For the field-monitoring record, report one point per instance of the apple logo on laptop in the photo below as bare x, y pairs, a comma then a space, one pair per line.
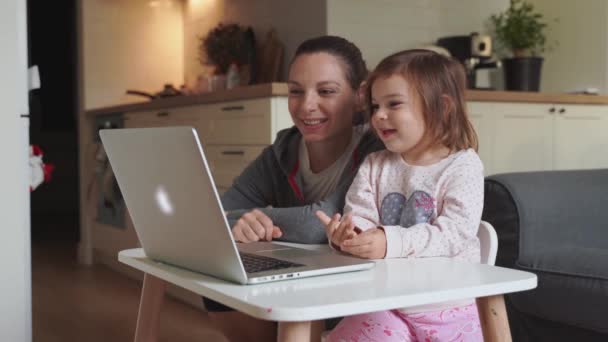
163, 201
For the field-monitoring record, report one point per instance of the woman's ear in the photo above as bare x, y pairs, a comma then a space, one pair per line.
360, 98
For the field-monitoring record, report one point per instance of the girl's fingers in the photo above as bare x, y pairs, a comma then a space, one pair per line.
358, 250
323, 217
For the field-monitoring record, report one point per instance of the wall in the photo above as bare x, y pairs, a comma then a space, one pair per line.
465, 16
294, 21
579, 59
15, 287
130, 45
377, 27
382, 27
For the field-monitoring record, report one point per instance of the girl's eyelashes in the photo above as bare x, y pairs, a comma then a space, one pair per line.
394, 104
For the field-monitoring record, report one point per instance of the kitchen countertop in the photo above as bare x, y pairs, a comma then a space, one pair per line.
280, 89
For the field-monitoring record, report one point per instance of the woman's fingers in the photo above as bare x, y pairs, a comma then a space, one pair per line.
254, 225
266, 224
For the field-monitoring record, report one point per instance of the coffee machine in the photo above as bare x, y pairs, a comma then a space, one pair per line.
474, 52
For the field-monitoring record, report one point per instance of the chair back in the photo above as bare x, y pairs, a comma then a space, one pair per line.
488, 243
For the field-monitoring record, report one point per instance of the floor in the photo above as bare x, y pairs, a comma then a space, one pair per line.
79, 303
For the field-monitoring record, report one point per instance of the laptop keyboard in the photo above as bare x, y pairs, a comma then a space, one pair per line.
257, 263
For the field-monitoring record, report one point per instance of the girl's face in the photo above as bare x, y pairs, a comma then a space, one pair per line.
321, 101
397, 117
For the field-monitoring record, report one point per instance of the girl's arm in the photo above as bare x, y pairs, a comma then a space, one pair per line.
360, 198
455, 227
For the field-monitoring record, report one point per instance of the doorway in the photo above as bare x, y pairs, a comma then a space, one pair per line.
52, 47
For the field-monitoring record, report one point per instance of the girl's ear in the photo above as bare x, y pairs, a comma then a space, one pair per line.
447, 106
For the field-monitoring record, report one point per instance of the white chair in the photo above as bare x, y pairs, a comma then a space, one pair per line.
488, 243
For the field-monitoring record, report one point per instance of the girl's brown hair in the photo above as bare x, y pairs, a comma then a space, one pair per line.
438, 84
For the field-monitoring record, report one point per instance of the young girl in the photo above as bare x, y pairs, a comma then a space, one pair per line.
422, 197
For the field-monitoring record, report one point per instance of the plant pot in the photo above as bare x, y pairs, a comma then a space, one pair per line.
522, 73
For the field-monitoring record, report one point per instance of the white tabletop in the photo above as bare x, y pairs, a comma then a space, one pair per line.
392, 283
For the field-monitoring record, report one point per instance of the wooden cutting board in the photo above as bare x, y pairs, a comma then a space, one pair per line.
269, 58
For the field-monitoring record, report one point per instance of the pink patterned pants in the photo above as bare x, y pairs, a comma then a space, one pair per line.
454, 324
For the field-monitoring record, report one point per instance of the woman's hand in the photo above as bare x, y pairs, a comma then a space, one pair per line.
370, 244
255, 226
338, 230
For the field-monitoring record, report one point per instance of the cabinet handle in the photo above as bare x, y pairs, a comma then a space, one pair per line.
562, 110
231, 108
233, 153
161, 114
552, 110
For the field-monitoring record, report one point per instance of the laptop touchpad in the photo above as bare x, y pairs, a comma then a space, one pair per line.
288, 253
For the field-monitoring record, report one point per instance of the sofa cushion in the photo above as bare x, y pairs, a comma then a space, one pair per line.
561, 218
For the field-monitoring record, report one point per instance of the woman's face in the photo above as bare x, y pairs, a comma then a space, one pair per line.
321, 101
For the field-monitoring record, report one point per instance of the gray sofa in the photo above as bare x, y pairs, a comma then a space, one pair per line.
555, 224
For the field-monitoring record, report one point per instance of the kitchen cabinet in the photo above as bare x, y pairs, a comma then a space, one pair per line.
580, 137
233, 133
532, 137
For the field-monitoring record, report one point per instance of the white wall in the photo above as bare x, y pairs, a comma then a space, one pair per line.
579, 60
15, 287
130, 45
465, 16
382, 27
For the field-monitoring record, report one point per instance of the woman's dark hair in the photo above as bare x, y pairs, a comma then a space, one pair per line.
438, 84
347, 52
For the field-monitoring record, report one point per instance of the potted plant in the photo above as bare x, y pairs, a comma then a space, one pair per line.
522, 31
227, 44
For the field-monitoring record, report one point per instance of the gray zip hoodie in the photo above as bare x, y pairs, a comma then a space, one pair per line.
272, 183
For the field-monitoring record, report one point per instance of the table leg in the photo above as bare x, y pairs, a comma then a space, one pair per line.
493, 317
148, 317
300, 331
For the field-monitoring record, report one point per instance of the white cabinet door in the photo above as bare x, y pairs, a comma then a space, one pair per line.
523, 138
482, 117
581, 137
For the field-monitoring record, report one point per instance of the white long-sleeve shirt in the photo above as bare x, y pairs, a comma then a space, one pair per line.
426, 211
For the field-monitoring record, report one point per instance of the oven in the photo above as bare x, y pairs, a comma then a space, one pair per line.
110, 206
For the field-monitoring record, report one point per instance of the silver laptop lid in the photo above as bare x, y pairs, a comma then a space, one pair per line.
167, 194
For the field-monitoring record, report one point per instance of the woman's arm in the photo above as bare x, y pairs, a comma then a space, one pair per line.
299, 224
252, 188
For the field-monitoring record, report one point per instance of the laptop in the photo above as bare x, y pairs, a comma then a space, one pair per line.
176, 210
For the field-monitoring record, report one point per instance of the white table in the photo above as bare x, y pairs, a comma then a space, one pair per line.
391, 284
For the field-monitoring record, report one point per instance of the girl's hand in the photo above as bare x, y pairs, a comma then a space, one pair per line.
370, 244
255, 226
338, 230
331, 224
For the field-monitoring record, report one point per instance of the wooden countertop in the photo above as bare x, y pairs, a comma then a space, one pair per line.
280, 89
239, 93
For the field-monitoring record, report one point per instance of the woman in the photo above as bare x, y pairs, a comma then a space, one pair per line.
309, 167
